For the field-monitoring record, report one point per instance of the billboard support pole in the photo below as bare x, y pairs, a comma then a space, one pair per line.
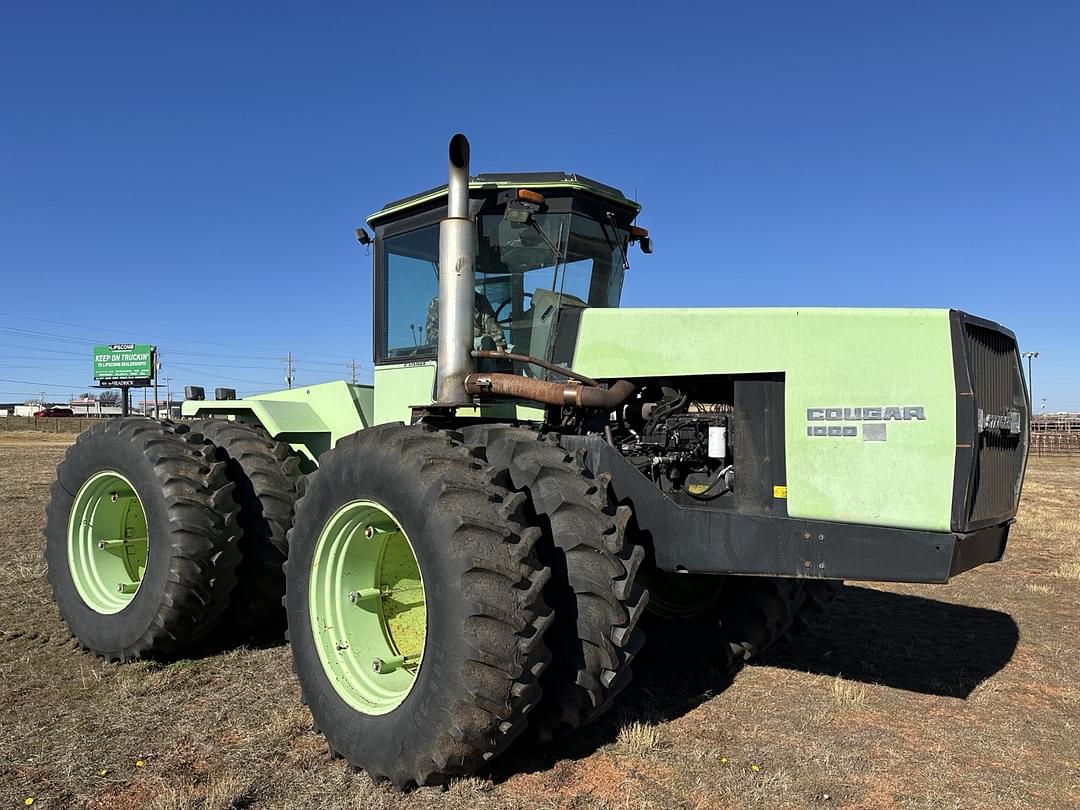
125, 405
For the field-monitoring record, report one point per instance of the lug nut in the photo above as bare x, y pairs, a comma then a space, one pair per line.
363, 595
382, 666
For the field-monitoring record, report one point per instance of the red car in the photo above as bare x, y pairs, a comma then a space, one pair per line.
55, 412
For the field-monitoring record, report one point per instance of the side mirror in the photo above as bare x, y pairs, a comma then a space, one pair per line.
641, 236
363, 237
519, 212
521, 204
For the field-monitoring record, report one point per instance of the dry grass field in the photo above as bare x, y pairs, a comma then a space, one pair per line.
964, 695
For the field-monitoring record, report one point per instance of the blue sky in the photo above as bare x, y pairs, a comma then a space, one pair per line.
191, 173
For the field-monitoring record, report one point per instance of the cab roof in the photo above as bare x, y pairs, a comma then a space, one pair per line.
492, 182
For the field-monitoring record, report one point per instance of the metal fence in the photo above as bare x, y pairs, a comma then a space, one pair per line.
48, 424
1055, 434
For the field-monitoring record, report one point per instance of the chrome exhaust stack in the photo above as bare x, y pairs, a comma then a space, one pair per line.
457, 281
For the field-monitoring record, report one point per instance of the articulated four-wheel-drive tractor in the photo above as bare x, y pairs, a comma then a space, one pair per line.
474, 547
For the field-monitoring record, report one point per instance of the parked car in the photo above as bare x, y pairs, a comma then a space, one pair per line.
54, 412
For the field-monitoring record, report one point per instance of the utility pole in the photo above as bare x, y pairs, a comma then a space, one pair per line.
289, 370
168, 397
352, 367
157, 368
1031, 392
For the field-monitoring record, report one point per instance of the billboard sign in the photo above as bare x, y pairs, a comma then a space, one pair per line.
124, 364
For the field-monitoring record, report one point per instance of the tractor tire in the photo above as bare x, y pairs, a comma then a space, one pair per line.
735, 620
141, 540
592, 589
268, 478
757, 612
415, 691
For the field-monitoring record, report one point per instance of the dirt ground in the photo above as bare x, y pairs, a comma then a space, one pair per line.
963, 695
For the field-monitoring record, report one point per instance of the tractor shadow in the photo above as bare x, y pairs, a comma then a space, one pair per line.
876, 637
904, 642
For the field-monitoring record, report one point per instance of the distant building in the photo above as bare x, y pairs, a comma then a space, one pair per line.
165, 408
92, 407
79, 407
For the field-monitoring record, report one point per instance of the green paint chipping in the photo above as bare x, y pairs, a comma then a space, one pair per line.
107, 542
367, 607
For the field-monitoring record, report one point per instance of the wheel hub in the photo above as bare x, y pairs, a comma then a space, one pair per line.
367, 607
108, 543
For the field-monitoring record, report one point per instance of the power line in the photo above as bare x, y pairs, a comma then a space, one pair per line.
42, 349
229, 377
38, 364
101, 329
46, 385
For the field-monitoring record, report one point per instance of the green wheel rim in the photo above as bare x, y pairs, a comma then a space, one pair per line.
108, 542
367, 607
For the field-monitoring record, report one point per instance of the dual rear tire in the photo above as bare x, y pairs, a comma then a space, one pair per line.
141, 539
161, 536
268, 478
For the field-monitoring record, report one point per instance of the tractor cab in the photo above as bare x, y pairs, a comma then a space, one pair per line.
547, 246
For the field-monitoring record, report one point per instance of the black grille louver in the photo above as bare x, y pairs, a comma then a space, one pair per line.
992, 424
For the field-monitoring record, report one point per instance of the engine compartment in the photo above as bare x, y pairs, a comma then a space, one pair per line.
681, 437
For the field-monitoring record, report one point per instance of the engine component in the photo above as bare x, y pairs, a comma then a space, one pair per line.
682, 446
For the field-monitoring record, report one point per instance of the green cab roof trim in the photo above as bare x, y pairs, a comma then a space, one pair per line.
494, 182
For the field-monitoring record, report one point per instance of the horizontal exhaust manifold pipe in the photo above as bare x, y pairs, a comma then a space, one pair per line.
550, 393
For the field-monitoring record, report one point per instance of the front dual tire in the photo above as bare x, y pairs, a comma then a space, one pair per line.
415, 606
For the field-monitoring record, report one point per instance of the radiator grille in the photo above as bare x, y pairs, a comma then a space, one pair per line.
1000, 456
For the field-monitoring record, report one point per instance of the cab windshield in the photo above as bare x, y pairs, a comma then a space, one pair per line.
527, 275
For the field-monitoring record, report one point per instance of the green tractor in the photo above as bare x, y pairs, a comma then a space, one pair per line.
472, 548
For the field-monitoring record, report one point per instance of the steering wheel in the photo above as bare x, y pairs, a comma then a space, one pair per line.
498, 310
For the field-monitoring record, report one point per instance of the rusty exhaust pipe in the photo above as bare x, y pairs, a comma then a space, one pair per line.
550, 393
